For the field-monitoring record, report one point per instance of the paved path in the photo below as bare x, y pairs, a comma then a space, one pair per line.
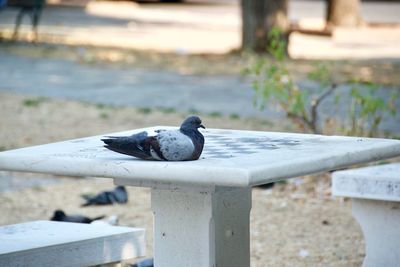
126, 87
145, 88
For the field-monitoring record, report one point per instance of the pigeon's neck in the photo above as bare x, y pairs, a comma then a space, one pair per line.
193, 133
197, 138
189, 131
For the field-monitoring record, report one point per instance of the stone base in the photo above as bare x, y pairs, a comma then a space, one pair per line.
380, 223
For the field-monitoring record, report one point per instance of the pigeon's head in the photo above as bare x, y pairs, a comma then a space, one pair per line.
121, 188
58, 214
192, 122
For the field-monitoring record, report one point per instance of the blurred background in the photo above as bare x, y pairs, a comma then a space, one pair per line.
73, 68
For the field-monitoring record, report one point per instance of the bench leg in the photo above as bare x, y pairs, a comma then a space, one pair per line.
201, 228
380, 223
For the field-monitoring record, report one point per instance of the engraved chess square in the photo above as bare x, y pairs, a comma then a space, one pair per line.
229, 146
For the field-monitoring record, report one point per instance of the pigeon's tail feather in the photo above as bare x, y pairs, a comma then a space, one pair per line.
98, 218
89, 202
130, 152
130, 145
86, 197
110, 140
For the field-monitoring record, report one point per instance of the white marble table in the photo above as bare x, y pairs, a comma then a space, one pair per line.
201, 208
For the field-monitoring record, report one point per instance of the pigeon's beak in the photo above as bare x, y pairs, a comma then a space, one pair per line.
202, 126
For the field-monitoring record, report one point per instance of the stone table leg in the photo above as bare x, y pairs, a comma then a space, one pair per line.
201, 227
380, 223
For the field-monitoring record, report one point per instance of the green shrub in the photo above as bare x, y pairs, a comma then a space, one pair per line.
274, 84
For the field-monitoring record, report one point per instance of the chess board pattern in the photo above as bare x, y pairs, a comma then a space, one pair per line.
218, 145
229, 146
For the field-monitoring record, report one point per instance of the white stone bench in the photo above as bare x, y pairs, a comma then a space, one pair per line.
48, 243
375, 193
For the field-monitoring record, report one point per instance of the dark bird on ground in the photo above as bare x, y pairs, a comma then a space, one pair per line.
185, 143
60, 216
118, 195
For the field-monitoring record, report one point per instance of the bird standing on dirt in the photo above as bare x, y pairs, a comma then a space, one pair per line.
185, 143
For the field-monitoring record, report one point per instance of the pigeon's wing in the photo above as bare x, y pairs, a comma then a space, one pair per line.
135, 145
81, 219
100, 199
174, 145
97, 218
77, 219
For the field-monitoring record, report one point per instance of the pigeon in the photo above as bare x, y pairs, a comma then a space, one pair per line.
144, 263
60, 216
118, 195
185, 143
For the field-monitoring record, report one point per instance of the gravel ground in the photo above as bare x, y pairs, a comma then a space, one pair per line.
295, 224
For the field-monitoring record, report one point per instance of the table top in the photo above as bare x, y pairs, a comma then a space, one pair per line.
39, 234
230, 158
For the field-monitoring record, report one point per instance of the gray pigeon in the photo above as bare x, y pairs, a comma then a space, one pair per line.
118, 195
185, 143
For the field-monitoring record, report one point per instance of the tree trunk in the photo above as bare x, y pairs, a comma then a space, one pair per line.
343, 13
258, 18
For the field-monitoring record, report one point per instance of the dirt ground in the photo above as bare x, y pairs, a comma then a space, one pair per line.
295, 224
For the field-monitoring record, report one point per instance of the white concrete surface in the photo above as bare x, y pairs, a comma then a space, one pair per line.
201, 227
201, 208
381, 182
47, 243
230, 158
376, 207
380, 224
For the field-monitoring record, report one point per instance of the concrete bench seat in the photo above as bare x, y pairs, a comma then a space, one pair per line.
375, 193
48, 243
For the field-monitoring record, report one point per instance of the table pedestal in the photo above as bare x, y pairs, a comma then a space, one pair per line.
201, 227
380, 224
